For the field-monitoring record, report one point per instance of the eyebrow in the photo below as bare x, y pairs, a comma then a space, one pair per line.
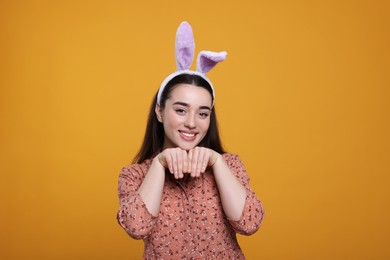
188, 105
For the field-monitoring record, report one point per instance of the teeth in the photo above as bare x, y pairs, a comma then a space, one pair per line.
188, 134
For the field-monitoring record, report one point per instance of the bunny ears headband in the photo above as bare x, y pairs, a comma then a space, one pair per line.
184, 50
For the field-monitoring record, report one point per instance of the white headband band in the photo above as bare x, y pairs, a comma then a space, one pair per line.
184, 50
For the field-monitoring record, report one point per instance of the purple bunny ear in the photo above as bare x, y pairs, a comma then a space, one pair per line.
184, 51
208, 59
184, 47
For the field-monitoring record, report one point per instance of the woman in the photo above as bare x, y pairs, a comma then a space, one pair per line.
184, 195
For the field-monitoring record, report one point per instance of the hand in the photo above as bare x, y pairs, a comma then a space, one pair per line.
176, 160
195, 161
199, 158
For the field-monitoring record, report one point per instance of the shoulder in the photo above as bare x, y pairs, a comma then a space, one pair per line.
231, 157
138, 169
234, 162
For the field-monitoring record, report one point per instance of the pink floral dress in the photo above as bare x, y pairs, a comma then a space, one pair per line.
191, 223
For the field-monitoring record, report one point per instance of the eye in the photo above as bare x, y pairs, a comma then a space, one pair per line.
180, 111
203, 114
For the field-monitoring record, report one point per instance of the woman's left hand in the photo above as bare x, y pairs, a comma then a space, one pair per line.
199, 158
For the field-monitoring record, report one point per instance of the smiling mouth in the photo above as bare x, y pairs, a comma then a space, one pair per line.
188, 136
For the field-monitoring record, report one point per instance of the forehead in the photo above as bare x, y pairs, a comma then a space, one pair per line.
190, 94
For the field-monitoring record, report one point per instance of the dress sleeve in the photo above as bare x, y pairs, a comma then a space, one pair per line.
253, 212
133, 215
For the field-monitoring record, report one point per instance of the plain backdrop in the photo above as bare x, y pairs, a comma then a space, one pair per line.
303, 98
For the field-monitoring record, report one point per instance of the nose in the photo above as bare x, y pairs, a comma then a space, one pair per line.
190, 121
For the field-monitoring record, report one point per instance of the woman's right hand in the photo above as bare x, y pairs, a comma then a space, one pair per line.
175, 160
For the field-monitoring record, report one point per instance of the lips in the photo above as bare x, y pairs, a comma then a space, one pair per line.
188, 136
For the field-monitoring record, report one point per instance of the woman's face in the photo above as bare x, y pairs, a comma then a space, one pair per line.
186, 116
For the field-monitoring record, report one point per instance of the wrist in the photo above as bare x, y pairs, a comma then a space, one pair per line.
156, 161
215, 158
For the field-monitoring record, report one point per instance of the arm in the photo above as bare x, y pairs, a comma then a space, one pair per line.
140, 191
253, 211
152, 187
133, 214
240, 204
232, 192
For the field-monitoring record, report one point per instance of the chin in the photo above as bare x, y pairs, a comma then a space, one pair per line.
187, 147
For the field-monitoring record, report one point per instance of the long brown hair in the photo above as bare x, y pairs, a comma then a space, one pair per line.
154, 134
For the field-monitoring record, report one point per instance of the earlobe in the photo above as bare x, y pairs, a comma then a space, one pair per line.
157, 110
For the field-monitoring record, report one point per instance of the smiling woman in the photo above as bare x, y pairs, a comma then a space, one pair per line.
184, 195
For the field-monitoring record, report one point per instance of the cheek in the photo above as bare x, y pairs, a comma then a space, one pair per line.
205, 124
172, 120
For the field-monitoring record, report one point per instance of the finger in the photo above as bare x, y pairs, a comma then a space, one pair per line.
200, 161
194, 162
185, 161
189, 160
179, 164
174, 163
168, 160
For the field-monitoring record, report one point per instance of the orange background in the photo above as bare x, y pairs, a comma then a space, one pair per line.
303, 98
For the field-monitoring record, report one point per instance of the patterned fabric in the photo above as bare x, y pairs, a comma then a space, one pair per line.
191, 223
